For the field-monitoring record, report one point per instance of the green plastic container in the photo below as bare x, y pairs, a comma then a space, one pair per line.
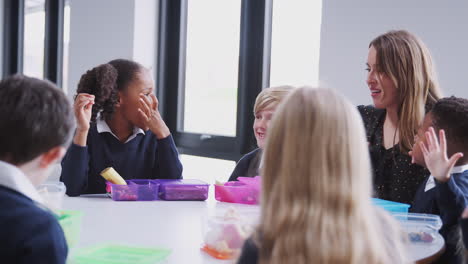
118, 254
71, 226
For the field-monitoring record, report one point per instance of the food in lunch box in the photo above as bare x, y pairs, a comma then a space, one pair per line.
226, 235
112, 176
420, 237
124, 195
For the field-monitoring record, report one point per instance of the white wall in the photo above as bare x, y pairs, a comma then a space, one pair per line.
145, 33
104, 30
349, 26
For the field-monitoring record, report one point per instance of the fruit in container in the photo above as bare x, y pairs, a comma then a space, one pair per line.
113, 176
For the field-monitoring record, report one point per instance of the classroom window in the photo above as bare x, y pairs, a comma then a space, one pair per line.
34, 31
295, 45
211, 75
211, 66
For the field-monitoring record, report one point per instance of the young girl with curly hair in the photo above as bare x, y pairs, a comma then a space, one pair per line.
119, 126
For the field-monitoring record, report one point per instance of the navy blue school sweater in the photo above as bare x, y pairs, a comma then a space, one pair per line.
447, 200
248, 165
144, 157
464, 229
29, 234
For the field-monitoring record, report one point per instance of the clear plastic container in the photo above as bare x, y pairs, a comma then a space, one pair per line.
148, 190
183, 190
70, 221
52, 194
421, 228
391, 206
225, 234
135, 190
119, 254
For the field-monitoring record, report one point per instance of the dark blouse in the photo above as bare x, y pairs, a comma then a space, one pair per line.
395, 177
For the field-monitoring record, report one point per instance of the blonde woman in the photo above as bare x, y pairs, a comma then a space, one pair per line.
316, 189
403, 86
264, 108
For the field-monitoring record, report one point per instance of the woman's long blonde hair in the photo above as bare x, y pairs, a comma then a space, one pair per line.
406, 60
316, 187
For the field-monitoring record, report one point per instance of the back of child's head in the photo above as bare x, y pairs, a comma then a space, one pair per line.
105, 81
316, 185
35, 116
451, 115
271, 97
319, 130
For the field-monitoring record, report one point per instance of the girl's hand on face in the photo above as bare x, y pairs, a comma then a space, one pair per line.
435, 155
149, 112
83, 106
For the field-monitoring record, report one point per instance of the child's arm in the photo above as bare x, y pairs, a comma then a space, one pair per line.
464, 227
75, 167
168, 165
75, 163
435, 155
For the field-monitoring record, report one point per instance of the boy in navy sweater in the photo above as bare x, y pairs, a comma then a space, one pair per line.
36, 125
119, 126
445, 190
464, 230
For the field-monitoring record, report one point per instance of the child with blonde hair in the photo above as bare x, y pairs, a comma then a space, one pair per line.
264, 108
316, 189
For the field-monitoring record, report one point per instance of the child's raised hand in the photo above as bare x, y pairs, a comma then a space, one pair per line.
435, 155
149, 112
83, 109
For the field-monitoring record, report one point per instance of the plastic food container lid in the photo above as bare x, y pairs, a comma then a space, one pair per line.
166, 182
409, 220
52, 194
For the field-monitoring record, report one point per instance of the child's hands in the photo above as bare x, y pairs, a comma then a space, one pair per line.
83, 109
435, 155
149, 112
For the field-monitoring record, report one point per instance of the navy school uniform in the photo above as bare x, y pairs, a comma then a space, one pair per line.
143, 156
248, 165
464, 229
29, 233
447, 200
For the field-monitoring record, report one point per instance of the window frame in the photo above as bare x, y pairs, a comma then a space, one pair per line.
13, 39
13, 28
253, 76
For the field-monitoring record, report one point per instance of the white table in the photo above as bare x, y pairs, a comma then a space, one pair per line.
174, 225
426, 253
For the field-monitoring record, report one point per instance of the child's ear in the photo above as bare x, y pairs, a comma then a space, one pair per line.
51, 156
119, 100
